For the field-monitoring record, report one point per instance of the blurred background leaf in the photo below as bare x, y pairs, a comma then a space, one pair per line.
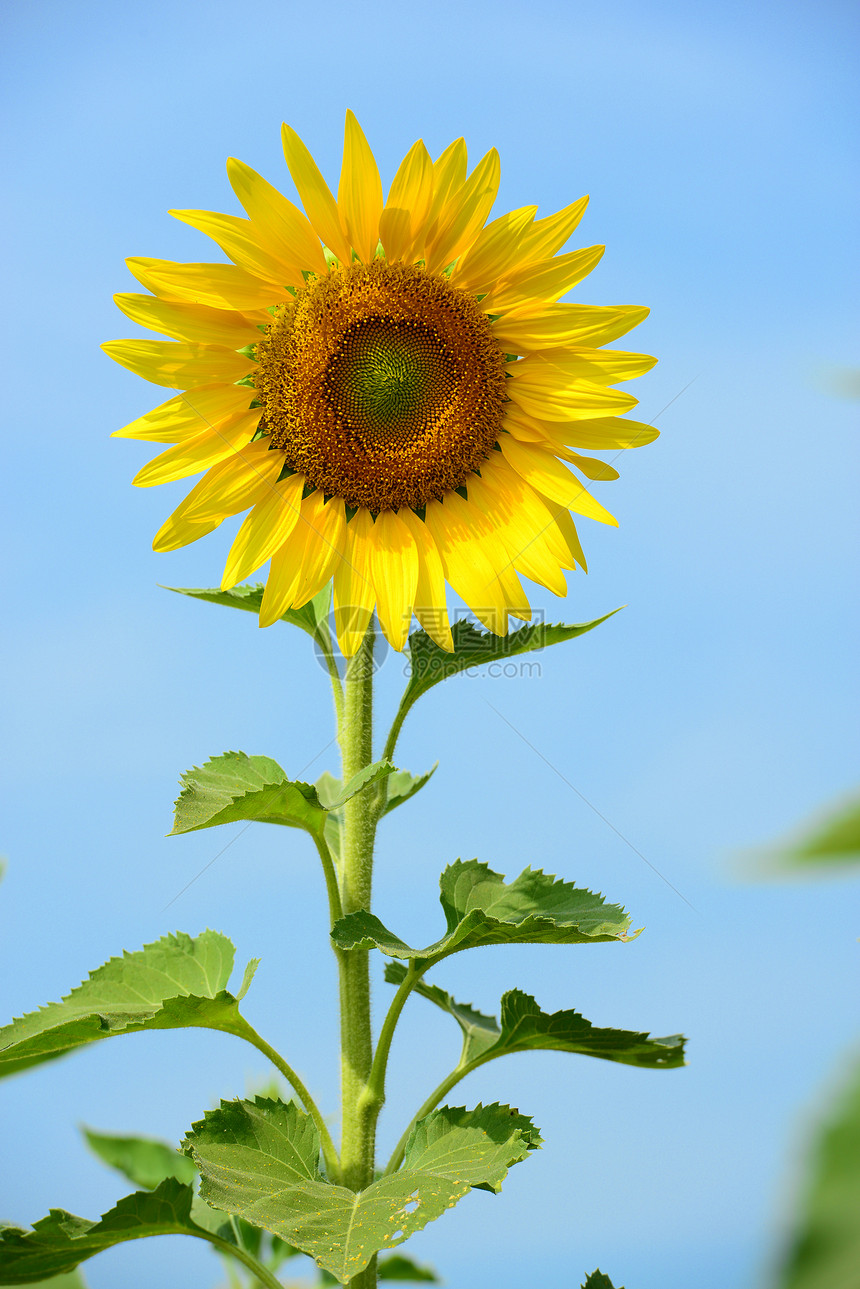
832, 838
824, 1252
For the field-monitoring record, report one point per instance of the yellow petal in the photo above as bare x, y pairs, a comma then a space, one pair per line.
394, 568
549, 235
359, 194
225, 490
177, 531
522, 426
283, 230
307, 558
264, 530
544, 281
537, 512
320, 206
457, 531
235, 484
323, 547
237, 238
557, 324
189, 321
184, 417
429, 608
569, 398
601, 433
449, 174
480, 266
354, 594
512, 590
591, 467
204, 450
522, 521
547, 475
542, 534
221, 286
407, 204
599, 366
179, 363
280, 584
566, 532
464, 215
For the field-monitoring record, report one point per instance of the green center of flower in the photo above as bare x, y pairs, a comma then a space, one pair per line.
390, 378
382, 384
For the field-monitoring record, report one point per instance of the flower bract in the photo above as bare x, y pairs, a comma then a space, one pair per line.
388, 386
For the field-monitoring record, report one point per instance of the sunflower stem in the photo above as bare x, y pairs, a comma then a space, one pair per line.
322, 636
262, 1274
430, 1104
358, 1105
332, 1162
380, 1060
394, 733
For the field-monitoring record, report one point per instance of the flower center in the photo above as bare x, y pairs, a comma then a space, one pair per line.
382, 384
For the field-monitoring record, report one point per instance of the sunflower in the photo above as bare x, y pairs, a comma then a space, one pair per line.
389, 387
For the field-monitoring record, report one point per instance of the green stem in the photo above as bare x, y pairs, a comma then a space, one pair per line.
256, 1268
357, 1108
332, 1162
431, 1103
335, 908
376, 1083
366, 1279
394, 733
323, 639
235, 1281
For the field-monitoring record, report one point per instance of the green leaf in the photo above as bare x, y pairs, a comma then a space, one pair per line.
825, 1249
311, 617
60, 1241
597, 1280
328, 788
72, 1280
173, 983
833, 839
143, 1160
480, 1032
370, 774
480, 908
428, 664
448, 1141
234, 787
402, 785
524, 1028
247, 977
399, 1267
259, 1160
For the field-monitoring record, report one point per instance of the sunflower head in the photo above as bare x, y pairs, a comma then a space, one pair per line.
382, 384
390, 389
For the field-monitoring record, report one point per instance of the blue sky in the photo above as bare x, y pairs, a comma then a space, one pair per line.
712, 714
